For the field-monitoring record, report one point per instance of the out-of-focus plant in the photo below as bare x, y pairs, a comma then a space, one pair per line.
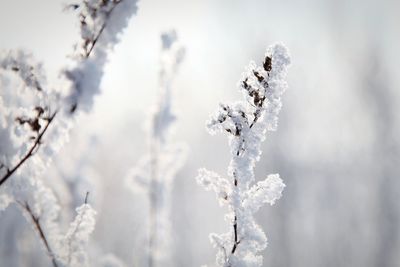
156, 171
35, 119
246, 123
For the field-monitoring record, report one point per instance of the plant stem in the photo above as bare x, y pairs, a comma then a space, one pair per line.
153, 202
36, 223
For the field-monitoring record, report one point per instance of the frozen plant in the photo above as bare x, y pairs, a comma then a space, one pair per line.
155, 171
29, 106
68, 249
76, 240
27, 110
35, 119
101, 23
246, 124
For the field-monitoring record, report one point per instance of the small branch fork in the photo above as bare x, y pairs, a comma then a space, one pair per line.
36, 223
31, 152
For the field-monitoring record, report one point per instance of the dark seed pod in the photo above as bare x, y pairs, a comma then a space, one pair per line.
258, 76
267, 64
39, 110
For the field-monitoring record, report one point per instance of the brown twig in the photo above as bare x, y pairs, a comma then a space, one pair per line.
36, 223
30, 153
236, 243
88, 52
235, 225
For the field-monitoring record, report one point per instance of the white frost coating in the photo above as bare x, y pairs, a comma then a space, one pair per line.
69, 249
212, 181
267, 191
156, 171
23, 65
246, 124
101, 23
75, 242
38, 202
27, 105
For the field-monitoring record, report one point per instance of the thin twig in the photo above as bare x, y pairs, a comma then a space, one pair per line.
236, 241
95, 40
101, 30
86, 197
30, 153
36, 223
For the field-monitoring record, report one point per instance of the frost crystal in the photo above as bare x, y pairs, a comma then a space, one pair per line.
246, 124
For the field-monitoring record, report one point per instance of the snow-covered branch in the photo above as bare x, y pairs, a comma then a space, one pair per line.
68, 250
28, 105
212, 181
26, 110
77, 238
101, 23
246, 123
34, 124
